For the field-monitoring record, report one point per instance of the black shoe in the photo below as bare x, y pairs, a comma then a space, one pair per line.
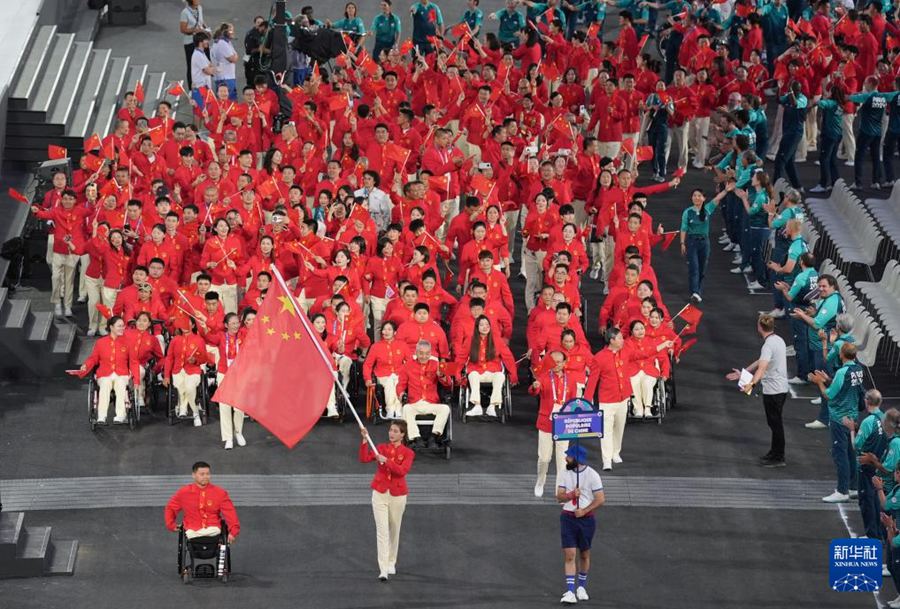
773, 462
417, 444
432, 442
765, 457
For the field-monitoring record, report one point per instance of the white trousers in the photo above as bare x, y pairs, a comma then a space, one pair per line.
512, 221
679, 134
62, 279
206, 532
608, 256
642, 385
847, 148
106, 384
83, 261
393, 405
94, 290
108, 298
378, 306
388, 511
186, 386
227, 296
495, 378
441, 413
614, 415
610, 149
700, 139
231, 420
547, 449
532, 264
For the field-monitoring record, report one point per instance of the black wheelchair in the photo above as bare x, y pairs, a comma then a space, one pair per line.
132, 413
204, 557
464, 397
376, 412
205, 390
659, 406
354, 386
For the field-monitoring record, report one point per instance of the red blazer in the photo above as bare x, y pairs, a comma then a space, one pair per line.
385, 358
390, 477
202, 507
112, 356
553, 385
611, 371
182, 348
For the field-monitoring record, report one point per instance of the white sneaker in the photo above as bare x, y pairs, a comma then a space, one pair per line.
92, 333
876, 186
607, 467
605, 289
616, 459
850, 163
582, 594
816, 402
818, 188
595, 273
737, 248
383, 576
82, 299
538, 489
771, 157
119, 420
696, 298
736, 259
836, 497
69, 312
854, 494
736, 270
491, 411
894, 604
755, 286
724, 240
331, 413
817, 424
568, 598
885, 572
475, 411
392, 570
182, 413
197, 421
239, 438
58, 310
229, 444
796, 381
729, 246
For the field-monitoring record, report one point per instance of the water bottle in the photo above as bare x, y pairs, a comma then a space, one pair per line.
221, 569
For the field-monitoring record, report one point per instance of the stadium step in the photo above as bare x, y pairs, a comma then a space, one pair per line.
108, 100
154, 92
31, 551
29, 77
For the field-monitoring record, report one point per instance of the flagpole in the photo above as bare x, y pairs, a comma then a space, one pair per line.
322, 353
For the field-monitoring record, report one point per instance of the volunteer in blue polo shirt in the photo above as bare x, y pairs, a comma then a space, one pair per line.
427, 22
694, 236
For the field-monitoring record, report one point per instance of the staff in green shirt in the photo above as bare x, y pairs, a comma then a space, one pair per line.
845, 395
694, 235
797, 294
873, 437
387, 30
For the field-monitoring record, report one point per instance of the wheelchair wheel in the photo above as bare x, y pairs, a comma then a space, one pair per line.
171, 406
93, 396
186, 576
224, 578
447, 452
463, 403
133, 412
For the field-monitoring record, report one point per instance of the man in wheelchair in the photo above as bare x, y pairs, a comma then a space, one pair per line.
419, 379
205, 507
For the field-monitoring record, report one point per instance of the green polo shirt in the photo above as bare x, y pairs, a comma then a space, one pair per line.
691, 223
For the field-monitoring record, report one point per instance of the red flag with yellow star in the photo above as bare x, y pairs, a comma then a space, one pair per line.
281, 376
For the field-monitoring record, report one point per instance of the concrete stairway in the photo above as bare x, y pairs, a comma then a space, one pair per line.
66, 90
32, 551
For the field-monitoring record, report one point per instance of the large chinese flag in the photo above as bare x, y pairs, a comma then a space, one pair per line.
280, 377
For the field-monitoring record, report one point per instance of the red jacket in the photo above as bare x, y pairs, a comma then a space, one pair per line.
112, 356
390, 476
68, 227
202, 507
385, 358
420, 381
555, 390
183, 348
611, 371
412, 332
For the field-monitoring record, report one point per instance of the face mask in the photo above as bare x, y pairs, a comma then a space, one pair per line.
571, 465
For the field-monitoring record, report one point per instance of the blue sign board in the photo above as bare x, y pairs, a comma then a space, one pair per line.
577, 425
855, 565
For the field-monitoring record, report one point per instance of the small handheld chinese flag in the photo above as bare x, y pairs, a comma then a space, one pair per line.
92, 143
18, 196
685, 346
668, 238
459, 29
264, 377
104, 310
396, 153
439, 182
691, 314
139, 92
644, 153
92, 162
177, 89
56, 152
628, 146
406, 46
338, 103
679, 173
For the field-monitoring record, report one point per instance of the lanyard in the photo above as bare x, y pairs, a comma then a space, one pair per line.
228, 357
565, 387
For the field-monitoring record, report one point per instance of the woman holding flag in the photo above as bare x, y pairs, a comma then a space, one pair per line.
186, 354
389, 491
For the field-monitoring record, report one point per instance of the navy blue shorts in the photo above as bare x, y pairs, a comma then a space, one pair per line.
576, 532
